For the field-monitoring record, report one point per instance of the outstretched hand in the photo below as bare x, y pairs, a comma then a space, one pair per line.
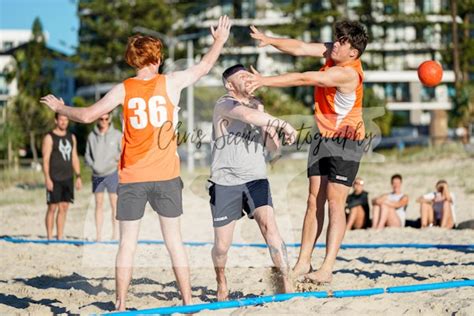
259, 36
52, 102
254, 81
221, 33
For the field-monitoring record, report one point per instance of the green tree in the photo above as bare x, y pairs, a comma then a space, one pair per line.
32, 71
105, 29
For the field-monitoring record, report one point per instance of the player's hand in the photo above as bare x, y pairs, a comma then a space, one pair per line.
49, 184
221, 33
52, 102
254, 81
259, 36
78, 184
290, 133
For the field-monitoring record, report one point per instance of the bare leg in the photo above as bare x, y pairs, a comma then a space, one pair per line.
222, 241
375, 215
447, 220
337, 194
266, 221
392, 218
356, 218
99, 214
124, 261
49, 219
426, 214
313, 223
61, 218
384, 214
115, 222
171, 228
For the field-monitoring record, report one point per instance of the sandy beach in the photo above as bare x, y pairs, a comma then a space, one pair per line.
44, 279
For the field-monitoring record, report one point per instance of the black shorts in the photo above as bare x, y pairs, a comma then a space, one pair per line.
338, 159
109, 182
229, 203
165, 197
63, 191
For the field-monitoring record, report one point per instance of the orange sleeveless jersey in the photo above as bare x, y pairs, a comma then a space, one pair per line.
149, 143
330, 117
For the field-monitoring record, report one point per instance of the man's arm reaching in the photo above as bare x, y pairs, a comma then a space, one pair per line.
91, 113
291, 46
333, 77
176, 81
257, 118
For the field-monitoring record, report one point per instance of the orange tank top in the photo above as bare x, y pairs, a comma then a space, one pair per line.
149, 143
338, 114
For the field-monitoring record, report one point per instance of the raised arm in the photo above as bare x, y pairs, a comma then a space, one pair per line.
291, 46
257, 118
340, 77
89, 114
176, 81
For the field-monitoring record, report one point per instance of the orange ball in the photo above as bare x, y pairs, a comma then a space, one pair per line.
430, 73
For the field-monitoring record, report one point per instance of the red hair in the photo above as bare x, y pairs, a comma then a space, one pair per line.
143, 51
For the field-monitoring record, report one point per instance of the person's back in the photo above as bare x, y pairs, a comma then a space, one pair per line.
149, 147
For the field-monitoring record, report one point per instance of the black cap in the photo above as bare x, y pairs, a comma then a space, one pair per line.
232, 70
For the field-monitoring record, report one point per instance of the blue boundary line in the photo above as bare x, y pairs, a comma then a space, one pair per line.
284, 297
253, 245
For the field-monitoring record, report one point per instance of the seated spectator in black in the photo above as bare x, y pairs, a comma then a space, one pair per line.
358, 206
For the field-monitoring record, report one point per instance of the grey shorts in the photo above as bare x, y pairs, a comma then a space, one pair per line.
165, 197
228, 203
109, 182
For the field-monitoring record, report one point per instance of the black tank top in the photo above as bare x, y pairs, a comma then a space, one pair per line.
60, 163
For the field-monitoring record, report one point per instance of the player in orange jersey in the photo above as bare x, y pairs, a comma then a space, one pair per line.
336, 148
149, 163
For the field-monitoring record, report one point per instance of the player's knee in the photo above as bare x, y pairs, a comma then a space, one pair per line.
220, 249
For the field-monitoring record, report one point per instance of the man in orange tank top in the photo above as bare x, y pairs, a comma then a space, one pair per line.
336, 147
149, 163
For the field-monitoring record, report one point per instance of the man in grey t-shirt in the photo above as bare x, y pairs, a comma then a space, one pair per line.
241, 133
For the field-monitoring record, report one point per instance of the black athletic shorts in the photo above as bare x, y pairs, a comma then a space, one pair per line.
165, 197
229, 203
336, 158
63, 191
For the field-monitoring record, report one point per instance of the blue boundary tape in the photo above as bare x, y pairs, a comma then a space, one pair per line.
284, 297
254, 245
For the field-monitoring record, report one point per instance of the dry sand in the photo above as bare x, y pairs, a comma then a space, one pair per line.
44, 279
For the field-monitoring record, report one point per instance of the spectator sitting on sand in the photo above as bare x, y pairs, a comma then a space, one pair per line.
358, 205
389, 209
437, 208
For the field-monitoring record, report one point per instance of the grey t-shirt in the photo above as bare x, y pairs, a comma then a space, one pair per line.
238, 155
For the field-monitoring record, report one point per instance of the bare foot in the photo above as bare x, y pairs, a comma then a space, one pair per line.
119, 306
319, 277
300, 269
222, 291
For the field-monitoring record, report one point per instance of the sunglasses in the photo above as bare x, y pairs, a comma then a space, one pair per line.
103, 119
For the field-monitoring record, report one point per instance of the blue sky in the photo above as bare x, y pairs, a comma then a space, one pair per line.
59, 19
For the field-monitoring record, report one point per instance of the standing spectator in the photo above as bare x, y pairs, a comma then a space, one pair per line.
437, 208
102, 155
60, 160
389, 209
358, 206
